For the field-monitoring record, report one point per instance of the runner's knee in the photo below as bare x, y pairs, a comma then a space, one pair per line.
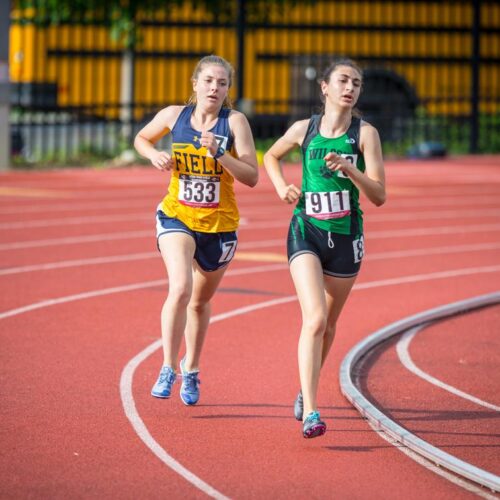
314, 325
179, 294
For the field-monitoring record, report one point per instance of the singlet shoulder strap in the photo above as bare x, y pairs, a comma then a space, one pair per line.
184, 117
223, 129
224, 112
353, 133
312, 131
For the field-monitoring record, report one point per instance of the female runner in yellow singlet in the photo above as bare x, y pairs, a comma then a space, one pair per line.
197, 220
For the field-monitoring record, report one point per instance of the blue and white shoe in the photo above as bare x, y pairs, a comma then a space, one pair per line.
190, 392
313, 425
163, 386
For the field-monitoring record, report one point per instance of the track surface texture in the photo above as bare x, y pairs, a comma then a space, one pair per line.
82, 287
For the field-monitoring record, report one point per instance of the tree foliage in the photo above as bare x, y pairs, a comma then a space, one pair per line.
123, 17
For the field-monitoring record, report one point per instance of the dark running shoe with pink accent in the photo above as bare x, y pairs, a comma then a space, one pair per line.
298, 407
313, 425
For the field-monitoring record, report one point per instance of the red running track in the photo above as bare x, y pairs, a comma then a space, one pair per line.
460, 355
82, 287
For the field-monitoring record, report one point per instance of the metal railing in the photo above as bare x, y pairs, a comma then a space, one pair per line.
431, 73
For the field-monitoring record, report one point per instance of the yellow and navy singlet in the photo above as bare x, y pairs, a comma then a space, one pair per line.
200, 193
330, 200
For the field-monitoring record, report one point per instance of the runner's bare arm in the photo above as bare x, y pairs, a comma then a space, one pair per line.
151, 133
292, 138
372, 182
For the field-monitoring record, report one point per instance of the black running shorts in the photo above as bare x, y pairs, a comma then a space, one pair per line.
340, 254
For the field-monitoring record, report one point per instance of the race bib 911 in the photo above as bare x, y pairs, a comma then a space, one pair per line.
328, 204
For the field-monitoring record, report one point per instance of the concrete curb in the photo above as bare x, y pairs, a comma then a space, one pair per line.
382, 422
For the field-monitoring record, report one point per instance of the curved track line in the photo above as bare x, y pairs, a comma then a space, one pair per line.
426, 277
488, 199
105, 219
111, 259
272, 267
120, 258
126, 288
129, 406
73, 221
80, 207
398, 233
381, 421
434, 214
73, 240
90, 238
138, 424
424, 462
417, 252
80, 296
145, 203
401, 233
402, 349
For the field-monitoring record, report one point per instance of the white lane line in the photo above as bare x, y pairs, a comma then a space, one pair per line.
398, 233
75, 240
76, 221
236, 272
126, 381
264, 268
445, 201
415, 215
402, 348
138, 424
145, 203
416, 252
79, 296
352, 392
479, 247
112, 259
242, 246
125, 288
142, 431
433, 214
77, 207
448, 203
105, 219
117, 258
428, 276
461, 229
424, 462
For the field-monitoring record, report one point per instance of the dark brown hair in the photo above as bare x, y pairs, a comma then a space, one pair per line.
344, 61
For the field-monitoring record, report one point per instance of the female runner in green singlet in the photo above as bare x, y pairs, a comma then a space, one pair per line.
341, 155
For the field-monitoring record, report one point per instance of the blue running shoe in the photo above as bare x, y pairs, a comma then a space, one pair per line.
298, 407
190, 393
163, 386
313, 425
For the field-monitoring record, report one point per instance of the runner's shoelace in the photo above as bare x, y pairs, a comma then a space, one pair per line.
191, 381
166, 377
313, 416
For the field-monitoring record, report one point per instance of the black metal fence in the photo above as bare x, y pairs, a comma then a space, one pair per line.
431, 72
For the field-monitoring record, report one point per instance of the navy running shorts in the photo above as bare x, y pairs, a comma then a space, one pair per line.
213, 250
